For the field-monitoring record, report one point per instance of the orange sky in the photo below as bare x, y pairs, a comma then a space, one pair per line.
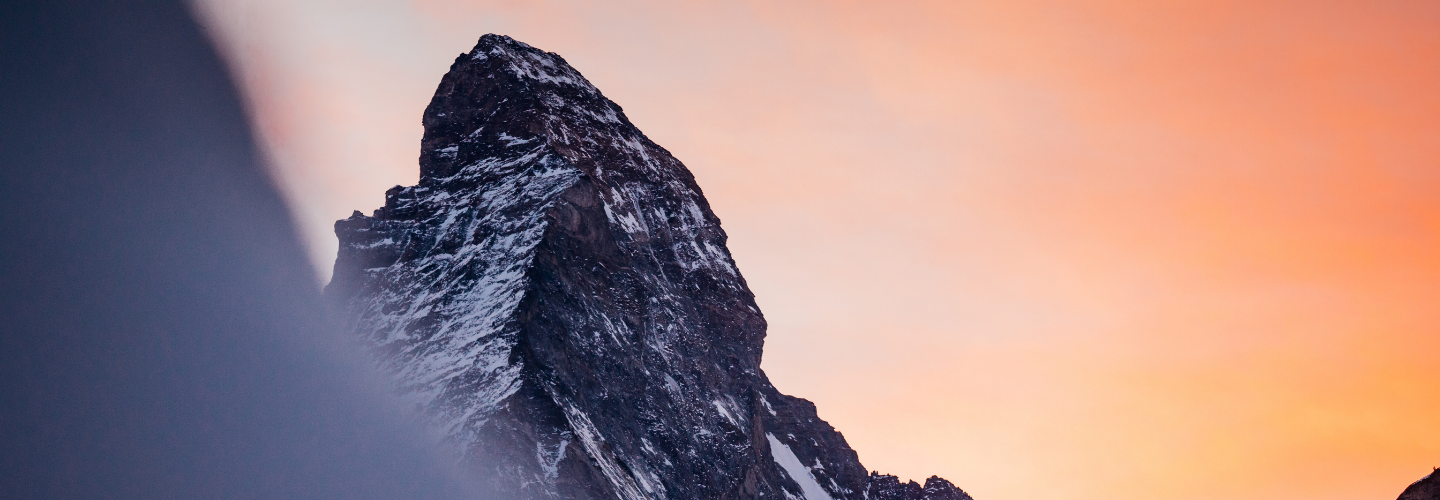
1123, 250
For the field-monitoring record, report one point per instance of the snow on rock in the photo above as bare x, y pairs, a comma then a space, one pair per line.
798, 472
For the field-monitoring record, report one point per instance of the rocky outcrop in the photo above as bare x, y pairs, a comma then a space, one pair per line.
890, 487
557, 296
1427, 488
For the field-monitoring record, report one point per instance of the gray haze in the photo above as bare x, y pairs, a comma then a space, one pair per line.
160, 332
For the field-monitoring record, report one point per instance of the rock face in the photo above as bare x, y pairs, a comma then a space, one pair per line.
557, 296
1427, 488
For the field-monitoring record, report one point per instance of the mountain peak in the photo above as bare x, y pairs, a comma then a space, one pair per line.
490, 41
526, 61
557, 295
504, 91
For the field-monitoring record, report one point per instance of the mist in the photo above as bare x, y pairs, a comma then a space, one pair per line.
161, 333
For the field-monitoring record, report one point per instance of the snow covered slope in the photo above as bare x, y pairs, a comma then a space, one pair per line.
557, 296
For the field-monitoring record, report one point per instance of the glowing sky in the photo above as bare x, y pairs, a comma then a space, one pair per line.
1125, 250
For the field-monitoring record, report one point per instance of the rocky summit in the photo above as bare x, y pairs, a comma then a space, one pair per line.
557, 297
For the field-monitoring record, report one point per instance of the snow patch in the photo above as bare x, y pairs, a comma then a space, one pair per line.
809, 488
550, 462
766, 403
627, 487
724, 412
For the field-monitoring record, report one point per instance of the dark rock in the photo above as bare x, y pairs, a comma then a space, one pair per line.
890, 488
557, 296
1427, 488
887, 487
940, 489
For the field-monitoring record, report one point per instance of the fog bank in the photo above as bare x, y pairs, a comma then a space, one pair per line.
161, 335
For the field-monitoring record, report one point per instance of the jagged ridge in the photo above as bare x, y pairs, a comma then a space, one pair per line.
557, 295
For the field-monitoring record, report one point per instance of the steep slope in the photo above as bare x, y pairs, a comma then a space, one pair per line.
1427, 488
556, 294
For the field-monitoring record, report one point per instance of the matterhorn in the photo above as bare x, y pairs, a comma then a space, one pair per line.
556, 296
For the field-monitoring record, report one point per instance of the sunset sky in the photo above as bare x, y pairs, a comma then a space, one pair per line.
1120, 250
